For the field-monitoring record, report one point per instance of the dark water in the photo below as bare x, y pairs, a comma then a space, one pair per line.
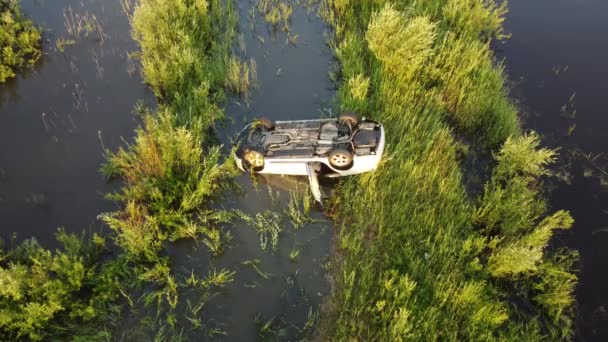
293, 83
559, 48
55, 121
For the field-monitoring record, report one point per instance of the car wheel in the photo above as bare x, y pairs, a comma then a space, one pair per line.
350, 119
264, 123
341, 158
253, 160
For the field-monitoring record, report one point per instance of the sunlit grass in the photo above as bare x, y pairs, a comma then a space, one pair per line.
19, 40
420, 258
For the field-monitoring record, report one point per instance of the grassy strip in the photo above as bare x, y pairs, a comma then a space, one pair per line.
169, 175
427, 261
19, 40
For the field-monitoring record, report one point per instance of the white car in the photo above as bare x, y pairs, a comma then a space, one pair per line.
323, 147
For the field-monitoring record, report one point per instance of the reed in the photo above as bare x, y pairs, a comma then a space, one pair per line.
298, 208
268, 224
419, 257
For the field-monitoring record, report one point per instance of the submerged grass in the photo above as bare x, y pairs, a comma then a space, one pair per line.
268, 225
170, 173
420, 259
277, 13
19, 40
298, 208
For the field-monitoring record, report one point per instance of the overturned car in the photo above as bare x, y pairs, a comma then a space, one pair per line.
324, 147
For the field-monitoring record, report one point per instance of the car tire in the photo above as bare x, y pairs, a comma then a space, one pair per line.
340, 158
253, 160
350, 119
264, 123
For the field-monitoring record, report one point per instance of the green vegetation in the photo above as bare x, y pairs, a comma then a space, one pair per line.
169, 174
19, 40
268, 225
255, 265
168, 180
60, 293
420, 258
298, 208
169, 177
426, 261
276, 13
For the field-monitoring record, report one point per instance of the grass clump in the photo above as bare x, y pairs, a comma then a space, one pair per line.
241, 76
185, 53
422, 259
169, 176
19, 40
171, 171
277, 13
59, 294
298, 208
168, 179
268, 224
255, 265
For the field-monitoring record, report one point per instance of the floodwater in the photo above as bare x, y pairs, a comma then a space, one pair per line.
55, 121
558, 59
293, 83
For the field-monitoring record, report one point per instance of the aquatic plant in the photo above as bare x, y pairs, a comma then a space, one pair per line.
298, 208
62, 43
171, 171
185, 51
293, 255
255, 265
276, 12
420, 258
79, 24
268, 225
19, 40
271, 329
241, 76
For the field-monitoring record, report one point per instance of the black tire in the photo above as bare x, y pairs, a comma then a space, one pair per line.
340, 158
253, 160
264, 123
350, 119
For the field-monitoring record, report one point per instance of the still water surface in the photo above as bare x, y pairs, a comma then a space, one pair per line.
56, 120
558, 59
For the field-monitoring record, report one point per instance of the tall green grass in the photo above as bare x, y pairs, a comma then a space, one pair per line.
19, 40
60, 294
420, 259
170, 173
